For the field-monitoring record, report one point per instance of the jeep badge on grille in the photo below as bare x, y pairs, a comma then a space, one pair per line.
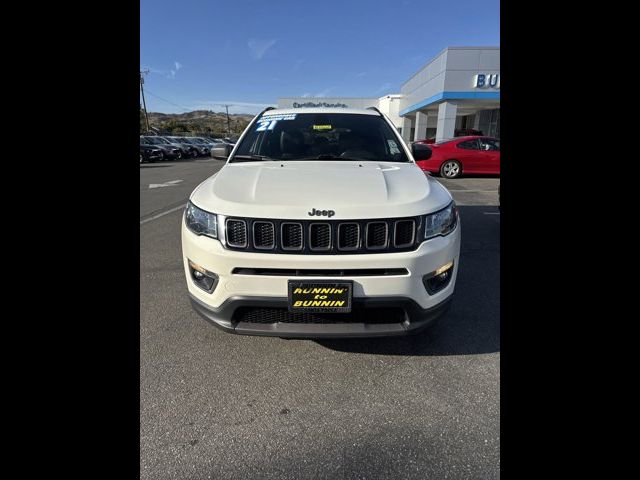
321, 213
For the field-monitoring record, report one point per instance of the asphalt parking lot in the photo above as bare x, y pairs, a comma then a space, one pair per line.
215, 405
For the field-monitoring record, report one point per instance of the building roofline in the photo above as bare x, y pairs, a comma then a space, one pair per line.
441, 52
289, 110
328, 98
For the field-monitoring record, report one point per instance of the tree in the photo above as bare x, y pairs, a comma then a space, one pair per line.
174, 127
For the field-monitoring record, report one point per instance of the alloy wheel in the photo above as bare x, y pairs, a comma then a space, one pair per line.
451, 169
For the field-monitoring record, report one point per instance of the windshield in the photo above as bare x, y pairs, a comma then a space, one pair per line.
321, 136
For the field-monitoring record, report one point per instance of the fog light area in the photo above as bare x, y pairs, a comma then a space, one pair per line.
438, 279
202, 277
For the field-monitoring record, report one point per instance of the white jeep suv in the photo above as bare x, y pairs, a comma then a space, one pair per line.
320, 224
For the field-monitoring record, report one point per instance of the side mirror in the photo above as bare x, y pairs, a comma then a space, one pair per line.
221, 151
420, 151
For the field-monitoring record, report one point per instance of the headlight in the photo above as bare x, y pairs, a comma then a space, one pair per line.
201, 222
442, 222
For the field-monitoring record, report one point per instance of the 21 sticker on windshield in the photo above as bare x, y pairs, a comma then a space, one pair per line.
268, 122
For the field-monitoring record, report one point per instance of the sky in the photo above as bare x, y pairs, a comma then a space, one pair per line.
204, 53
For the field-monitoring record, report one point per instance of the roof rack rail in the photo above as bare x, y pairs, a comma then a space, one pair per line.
376, 109
264, 111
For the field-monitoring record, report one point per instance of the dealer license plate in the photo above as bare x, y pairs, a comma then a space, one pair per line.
320, 296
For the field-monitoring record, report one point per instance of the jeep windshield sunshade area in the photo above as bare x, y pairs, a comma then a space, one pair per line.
320, 136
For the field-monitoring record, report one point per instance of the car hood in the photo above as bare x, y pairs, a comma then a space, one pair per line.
291, 189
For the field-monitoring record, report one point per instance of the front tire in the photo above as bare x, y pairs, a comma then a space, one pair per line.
450, 169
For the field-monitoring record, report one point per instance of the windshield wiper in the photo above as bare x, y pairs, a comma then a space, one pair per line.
250, 158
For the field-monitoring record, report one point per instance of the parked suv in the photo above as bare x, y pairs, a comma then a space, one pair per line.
188, 150
150, 153
169, 152
320, 224
203, 147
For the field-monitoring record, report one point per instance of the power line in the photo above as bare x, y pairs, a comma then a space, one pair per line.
171, 103
226, 105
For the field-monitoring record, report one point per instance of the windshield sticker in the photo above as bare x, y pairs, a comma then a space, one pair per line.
266, 125
268, 122
281, 116
393, 147
322, 127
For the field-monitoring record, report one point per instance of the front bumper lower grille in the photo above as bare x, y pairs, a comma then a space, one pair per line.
328, 237
268, 315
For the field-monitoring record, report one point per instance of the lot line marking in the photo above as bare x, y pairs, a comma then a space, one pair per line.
171, 183
175, 209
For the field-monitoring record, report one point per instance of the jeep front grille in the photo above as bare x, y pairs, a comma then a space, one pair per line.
348, 236
377, 235
291, 236
264, 235
236, 233
320, 237
404, 233
334, 237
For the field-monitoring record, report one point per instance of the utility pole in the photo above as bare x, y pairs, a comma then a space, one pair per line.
142, 74
228, 127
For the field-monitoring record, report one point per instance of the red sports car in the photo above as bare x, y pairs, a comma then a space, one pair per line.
471, 154
465, 132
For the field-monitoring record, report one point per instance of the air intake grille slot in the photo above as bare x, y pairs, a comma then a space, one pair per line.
264, 235
236, 233
291, 236
320, 236
377, 233
348, 236
404, 234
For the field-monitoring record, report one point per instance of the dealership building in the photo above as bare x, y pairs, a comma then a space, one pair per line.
458, 89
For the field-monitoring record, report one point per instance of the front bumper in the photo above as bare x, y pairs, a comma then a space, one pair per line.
402, 291
416, 319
